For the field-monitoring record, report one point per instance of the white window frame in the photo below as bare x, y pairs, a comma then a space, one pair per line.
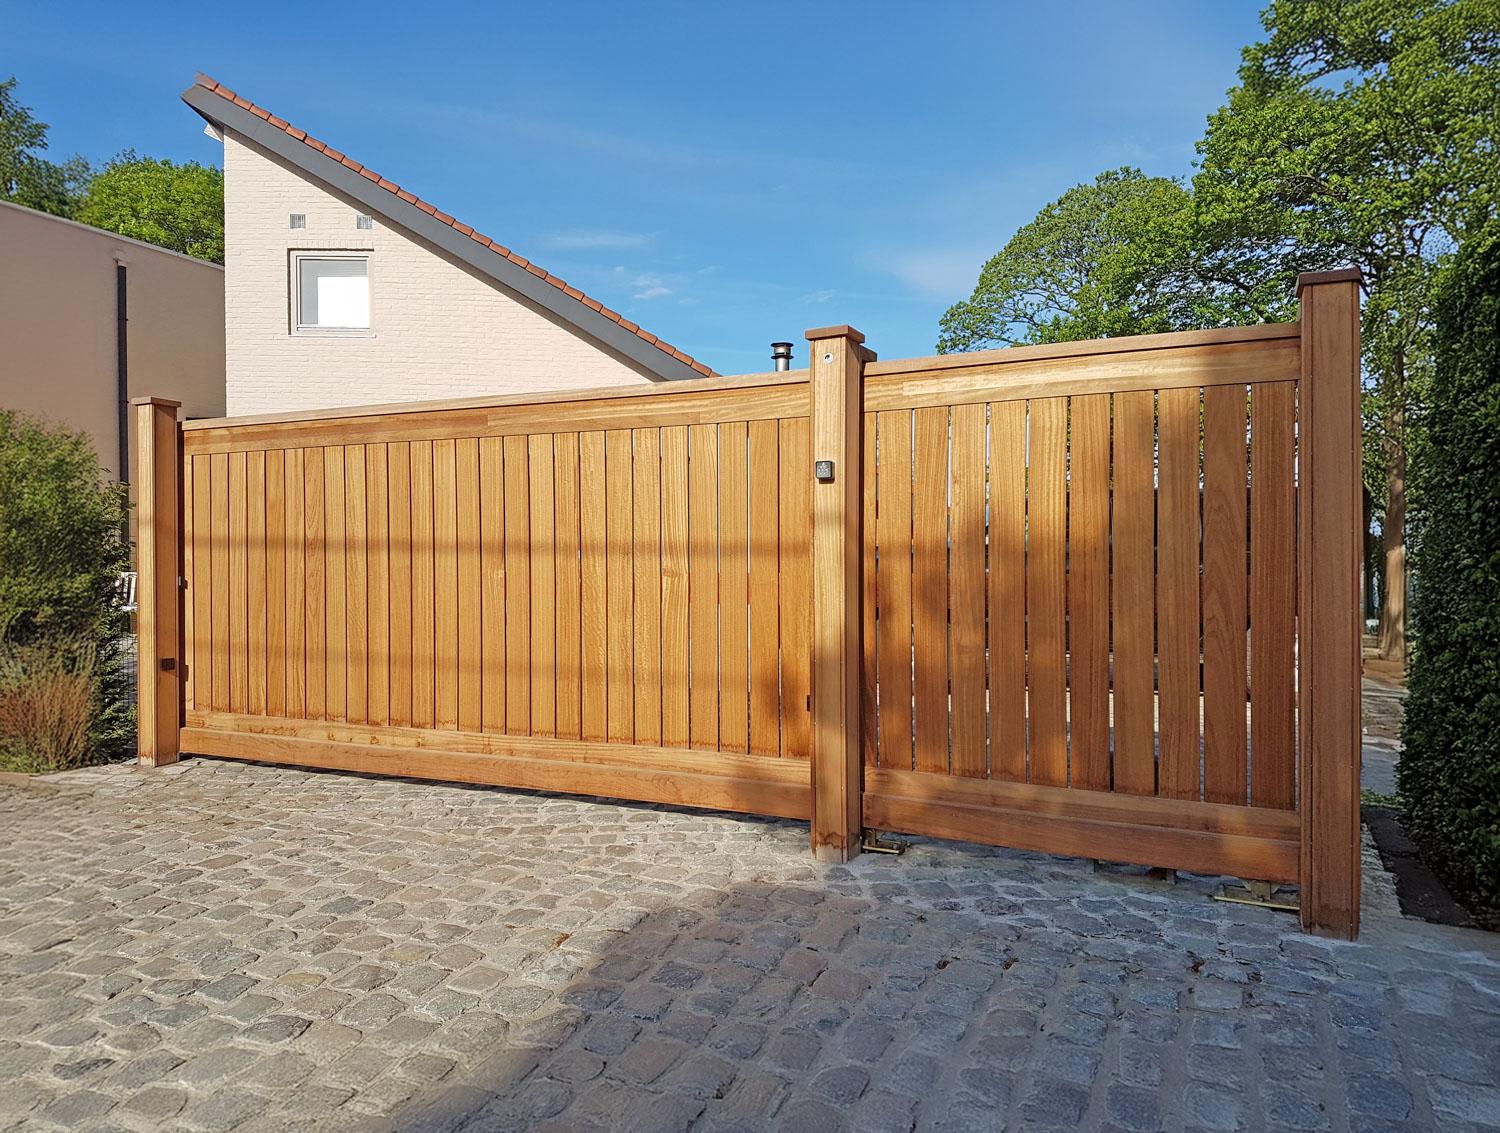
294, 292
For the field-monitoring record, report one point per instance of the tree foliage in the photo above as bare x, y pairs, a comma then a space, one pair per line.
1449, 773
62, 548
180, 207
26, 177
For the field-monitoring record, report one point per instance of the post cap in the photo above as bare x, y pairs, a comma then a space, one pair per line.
165, 401
834, 332
1337, 275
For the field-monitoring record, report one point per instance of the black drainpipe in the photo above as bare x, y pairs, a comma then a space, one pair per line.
122, 372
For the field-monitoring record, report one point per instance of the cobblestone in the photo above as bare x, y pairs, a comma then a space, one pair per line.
220, 946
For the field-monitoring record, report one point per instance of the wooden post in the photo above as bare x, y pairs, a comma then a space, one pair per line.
1328, 565
836, 379
158, 539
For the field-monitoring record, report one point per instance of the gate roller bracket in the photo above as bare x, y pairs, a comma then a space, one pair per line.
873, 843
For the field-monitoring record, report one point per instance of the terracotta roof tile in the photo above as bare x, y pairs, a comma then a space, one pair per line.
214, 87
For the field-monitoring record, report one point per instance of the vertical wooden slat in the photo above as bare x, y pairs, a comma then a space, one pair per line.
1177, 592
1224, 589
966, 598
1273, 596
764, 555
893, 588
276, 656
492, 596
399, 639
565, 528
335, 578
703, 584
796, 586
356, 585
869, 711
205, 690
314, 503
445, 615
423, 656
1134, 543
239, 550
518, 642
255, 583
158, 487
1088, 594
734, 621
189, 659
674, 586
1008, 591
646, 550
1046, 612
470, 587
543, 587
378, 584
296, 539
929, 586
594, 561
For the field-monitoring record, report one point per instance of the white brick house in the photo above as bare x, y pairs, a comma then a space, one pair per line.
341, 288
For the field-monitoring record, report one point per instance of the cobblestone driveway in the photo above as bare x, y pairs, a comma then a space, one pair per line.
222, 946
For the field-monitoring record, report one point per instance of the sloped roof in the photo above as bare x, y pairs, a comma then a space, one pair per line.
224, 108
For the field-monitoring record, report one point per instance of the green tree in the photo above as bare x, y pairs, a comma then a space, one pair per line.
61, 554
180, 207
1364, 132
1450, 766
26, 177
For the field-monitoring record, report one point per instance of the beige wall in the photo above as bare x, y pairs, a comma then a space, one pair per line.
57, 325
437, 329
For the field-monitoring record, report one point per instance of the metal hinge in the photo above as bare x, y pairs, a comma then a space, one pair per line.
873, 843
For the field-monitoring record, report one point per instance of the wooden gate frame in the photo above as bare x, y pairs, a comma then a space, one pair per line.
1328, 558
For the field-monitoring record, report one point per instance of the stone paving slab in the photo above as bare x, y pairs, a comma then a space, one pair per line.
219, 946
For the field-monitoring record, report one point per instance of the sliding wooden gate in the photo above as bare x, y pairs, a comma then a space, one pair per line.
1095, 599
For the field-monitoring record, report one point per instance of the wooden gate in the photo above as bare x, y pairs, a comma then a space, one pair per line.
1095, 599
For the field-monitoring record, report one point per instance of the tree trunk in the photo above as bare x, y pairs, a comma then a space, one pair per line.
1392, 644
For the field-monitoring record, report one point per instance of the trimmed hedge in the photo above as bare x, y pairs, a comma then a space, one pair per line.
1450, 765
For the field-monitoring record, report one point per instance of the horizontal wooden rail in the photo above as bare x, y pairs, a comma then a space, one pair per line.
744, 784
1170, 367
1175, 834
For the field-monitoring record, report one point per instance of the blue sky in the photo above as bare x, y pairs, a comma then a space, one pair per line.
723, 174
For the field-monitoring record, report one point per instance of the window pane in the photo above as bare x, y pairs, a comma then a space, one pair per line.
333, 293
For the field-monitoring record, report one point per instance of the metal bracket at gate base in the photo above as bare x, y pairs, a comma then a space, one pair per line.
1262, 894
873, 843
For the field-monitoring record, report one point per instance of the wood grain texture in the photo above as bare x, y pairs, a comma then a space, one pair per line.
315, 564
296, 538
275, 572
1135, 594
378, 582
239, 599
646, 560
1177, 592
1046, 589
1008, 591
929, 587
1088, 593
470, 569
1273, 597
734, 595
567, 586
543, 544
518, 640
703, 584
795, 574
594, 565
870, 629
202, 586
356, 595
398, 498
1225, 585
675, 721
764, 588
335, 579
893, 587
967, 512
492, 583
445, 611
619, 533
423, 555
255, 579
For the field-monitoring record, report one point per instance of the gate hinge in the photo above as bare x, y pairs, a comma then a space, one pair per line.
873, 843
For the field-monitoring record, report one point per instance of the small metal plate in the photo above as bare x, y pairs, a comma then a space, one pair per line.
823, 471
1261, 894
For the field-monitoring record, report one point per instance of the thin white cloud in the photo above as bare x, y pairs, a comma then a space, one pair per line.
651, 287
817, 297
597, 240
944, 273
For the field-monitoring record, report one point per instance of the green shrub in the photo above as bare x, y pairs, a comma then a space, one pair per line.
62, 548
1450, 766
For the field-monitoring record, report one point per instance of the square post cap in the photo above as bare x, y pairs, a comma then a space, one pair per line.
165, 402
849, 332
1338, 275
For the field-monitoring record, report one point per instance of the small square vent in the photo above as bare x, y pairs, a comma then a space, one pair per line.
298, 220
363, 221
